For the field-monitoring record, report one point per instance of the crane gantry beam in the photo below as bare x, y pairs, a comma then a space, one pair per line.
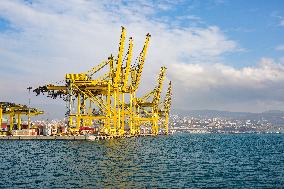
12, 109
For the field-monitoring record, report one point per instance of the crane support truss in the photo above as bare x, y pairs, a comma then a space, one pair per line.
108, 100
12, 110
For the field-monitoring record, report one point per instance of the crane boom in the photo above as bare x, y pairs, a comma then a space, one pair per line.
141, 59
128, 63
119, 57
158, 89
168, 98
156, 93
97, 68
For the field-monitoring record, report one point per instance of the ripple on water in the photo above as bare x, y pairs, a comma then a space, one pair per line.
178, 161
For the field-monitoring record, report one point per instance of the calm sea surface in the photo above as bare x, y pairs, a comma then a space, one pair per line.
177, 161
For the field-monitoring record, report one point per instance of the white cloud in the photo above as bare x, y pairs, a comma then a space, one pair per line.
279, 17
281, 23
212, 76
222, 86
279, 48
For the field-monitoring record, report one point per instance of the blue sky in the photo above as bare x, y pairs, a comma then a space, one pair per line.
221, 54
255, 24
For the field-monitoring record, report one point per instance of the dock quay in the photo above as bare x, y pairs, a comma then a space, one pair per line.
82, 137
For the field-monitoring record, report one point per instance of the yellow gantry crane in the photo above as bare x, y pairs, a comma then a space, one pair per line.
106, 94
148, 105
164, 111
12, 110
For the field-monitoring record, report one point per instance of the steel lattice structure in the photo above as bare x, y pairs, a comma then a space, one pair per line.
109, 98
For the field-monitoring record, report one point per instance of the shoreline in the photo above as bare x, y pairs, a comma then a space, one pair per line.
90, 138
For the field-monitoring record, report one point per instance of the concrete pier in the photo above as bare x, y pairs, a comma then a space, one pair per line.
81, 137
42, 137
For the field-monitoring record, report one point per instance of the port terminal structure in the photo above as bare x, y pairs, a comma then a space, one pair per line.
106, 95
11, 110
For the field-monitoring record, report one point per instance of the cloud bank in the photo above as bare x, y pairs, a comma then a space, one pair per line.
221, 86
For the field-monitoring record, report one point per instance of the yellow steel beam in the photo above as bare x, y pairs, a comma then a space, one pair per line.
115, 110
128, 63
120, 56
97, 68
11, 115
78, 122
141, 61
19, 121
122, 131
89, 117
167, 123
131, 120
1, 116
158, 90
52, 87
73, 77
93, 98
108, 108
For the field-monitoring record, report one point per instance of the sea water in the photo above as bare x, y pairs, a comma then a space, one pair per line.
175, 161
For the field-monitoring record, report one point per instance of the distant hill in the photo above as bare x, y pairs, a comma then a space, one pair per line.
274, 112
211, 113
276, 117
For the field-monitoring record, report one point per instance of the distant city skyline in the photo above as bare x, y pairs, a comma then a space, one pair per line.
220, 54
